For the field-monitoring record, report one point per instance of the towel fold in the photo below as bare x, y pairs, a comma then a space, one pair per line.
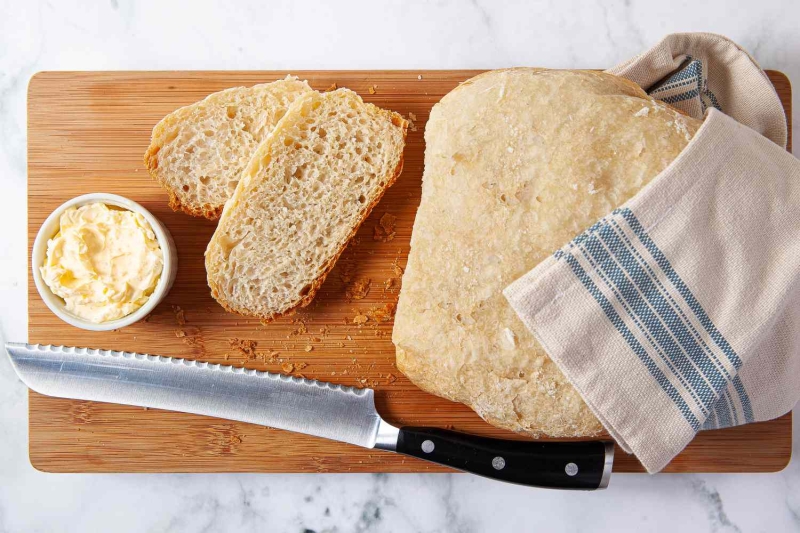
680, 311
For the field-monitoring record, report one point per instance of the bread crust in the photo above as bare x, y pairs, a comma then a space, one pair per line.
205, 211
511, 162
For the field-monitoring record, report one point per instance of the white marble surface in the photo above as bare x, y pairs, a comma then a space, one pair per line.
119, 34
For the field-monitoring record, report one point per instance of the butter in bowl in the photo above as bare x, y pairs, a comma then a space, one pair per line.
102, 262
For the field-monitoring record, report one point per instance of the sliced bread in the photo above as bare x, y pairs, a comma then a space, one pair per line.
198, 152
307, 189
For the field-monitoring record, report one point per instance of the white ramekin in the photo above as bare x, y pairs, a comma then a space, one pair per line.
57, 305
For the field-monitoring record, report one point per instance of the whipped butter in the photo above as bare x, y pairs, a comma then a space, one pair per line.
104, 262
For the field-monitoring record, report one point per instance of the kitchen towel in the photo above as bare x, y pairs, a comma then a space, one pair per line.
680, 311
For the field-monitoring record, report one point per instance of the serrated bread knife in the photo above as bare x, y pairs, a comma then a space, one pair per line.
301, 405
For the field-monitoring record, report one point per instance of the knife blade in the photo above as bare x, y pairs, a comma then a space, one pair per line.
300, 405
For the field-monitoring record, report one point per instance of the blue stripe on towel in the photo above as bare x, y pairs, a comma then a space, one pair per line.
691, 352
637, 348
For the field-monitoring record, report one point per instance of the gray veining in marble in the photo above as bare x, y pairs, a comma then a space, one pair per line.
161, 34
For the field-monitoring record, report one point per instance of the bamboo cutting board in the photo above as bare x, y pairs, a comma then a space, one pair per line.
87, 132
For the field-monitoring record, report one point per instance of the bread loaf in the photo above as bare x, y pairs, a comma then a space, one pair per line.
301, 198
198, 152
517, 163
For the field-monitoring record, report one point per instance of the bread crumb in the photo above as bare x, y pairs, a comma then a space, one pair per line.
411, 125
287, 367
348, 337
373, 89
384, 231
180, 316
397, 269
246, 347
180, 333
412, 116
333, 87
359, 289
360, 319
391, 378
308, 348
419, 77
383, 313
346, 274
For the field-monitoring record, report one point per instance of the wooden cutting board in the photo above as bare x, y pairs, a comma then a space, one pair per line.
87, 132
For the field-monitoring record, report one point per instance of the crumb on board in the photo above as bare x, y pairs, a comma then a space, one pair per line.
180, 315
419, 76
287, 367
333, 87
411, 125
244, 346
360, 319
391, 285
308, 348
373, 89
346, 275
385, 229
383, 313
397, 269
359, 289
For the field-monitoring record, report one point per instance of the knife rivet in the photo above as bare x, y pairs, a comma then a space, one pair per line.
571, 469
428, 446
498, 463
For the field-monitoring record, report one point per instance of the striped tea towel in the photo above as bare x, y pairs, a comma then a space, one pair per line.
680, 311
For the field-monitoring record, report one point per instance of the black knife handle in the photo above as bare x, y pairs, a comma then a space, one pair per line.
581, 465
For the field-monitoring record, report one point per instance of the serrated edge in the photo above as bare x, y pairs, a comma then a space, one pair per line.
198, 365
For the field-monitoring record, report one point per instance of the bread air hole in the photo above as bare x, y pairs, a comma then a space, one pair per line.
362, 199
204, 179
209, 133
185, 188
231, 111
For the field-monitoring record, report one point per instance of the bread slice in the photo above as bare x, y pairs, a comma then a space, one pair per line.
517, 163
301, 198
198, 152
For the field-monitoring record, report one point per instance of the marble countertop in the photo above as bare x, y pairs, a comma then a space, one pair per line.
120, 34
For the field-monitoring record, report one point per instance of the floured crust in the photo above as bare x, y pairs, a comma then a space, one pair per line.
517, 163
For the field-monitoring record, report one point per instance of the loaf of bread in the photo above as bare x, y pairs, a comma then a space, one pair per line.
307, 189
517, 163
198, 152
